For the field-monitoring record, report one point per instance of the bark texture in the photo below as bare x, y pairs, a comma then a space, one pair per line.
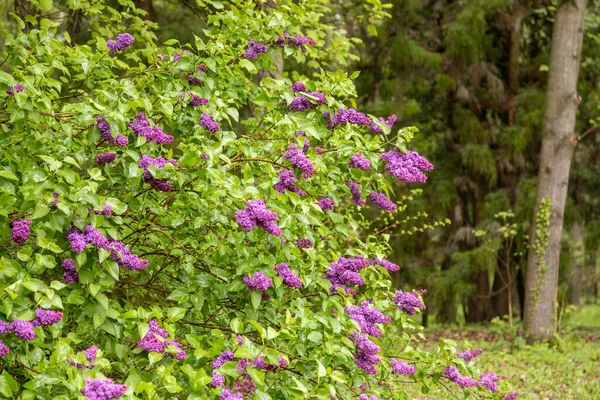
558, 143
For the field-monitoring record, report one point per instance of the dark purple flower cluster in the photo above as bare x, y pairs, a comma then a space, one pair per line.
124, 40
254, 49
326, 204
510, 395
382, 201
489, 380
54, 202
451, 372
224, 357
257, 214
259, 281
400, 367
307, 101
304, 243
21, 229
208, 123
105, 158
296, 40
217, 380
5, 327
98, 389
227, 394
46, 317
282, 362
90, 356
120, 253
469, 354
390, 266
141, 127
306, 142
299, 160
377, 130
162, 185
366, 353
289, 277
346, 116
298, 87
319, 150
367, 397
16, 88
23, 329
407, 167
260, 363
360, 162
355, 191
367, 317
106, 210
344, 272
197, 101
4, 350
106, 134
155, 340
408, 302
287, 181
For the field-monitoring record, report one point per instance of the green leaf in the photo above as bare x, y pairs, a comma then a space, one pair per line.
41, 210
256, 298
8, 175
244, 63
8, 385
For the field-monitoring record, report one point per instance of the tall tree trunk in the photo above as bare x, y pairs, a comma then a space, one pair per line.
558, 143
515, 47
577, 262
147, 6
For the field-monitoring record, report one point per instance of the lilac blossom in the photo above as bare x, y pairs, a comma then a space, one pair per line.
469, 354
298, 87
346, 116
261, 364
245, 385
106, 134
326, 204
197, 101
299, 160
98, 389
287, 181
407, 167
180, 353
510, 395
208, 123
257, 214
400, 367
489, 381
4, 350
451, 372
373, 127
224, 357
16, 88
289, 277
90, 357
408, 302
105, 158
296, 40
217, 380
355, 191
46, 317
382, 201
227, 394
366, 353
5, 327
54, 202
160, 184
141, 127
307, 101
345, 272
259, 281
23, 329
282, 362
254, 49
242, 364
359, 162
367, 397
304, 243
240, 340
390, 266
21, 229
319, 150
367, 317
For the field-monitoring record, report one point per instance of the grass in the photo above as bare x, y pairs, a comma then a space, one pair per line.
568, 367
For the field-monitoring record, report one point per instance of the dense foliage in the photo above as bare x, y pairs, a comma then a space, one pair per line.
182, 221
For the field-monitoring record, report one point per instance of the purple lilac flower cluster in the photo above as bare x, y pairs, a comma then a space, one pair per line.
355, 191
489, 380
259, 281
326, 204
407, 167
4, 350
227, 394
16, 88
469, 354
106, 210
451, 372
54, 202
208, 123
299, 160
287, 181
224, 357
346, 116
98, 389
377, 130
400, 367
289, 277
407, 302
141, 127
510, 395
359, 162
90, 356
390, 266
161, 184
367, 397
120, 253
367, 317
197, 101
46, 317
304, 243
24, 329
306, 142
307, 101
319, 150
124, 40
105, 158
366, 353
155, 341
298, 87
344, 272
257, 214
105, 133
382, 201
254, 49
296, 40
21, 229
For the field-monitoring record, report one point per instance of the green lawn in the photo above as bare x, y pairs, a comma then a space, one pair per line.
566, 368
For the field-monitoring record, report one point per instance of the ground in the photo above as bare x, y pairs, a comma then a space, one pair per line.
566, 368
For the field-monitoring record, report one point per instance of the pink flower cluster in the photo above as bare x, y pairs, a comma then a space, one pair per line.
366, 353
382, 201
155, 341
469, 354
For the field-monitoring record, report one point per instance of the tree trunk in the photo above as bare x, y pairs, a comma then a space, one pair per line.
147, 6
558, 143
577, 262
515, 48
